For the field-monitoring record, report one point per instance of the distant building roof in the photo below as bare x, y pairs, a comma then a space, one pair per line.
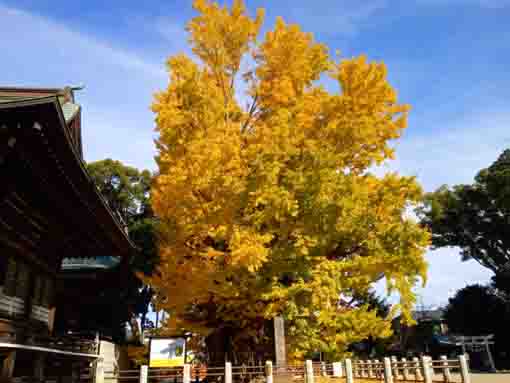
106, 262
427, 315
65, 97
46, 165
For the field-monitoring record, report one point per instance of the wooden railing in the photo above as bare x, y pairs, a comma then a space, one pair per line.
389, 370
10, 305
68, 343
40, 313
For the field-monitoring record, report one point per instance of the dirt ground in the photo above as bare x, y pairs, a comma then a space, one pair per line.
475, 378
490, 378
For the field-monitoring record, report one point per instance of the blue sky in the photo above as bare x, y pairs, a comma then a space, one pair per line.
449, 59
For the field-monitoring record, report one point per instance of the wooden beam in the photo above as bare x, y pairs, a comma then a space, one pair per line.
8, 366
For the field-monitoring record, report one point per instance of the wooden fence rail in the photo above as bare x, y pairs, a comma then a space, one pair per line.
389, 370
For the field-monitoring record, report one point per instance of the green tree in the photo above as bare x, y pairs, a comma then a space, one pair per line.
125, 188
127, 192
474, 310
481, 310
476, 218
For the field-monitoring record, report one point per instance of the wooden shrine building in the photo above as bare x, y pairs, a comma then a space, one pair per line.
50, 209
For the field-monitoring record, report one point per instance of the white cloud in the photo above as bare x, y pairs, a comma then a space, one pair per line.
447, 274
117, 122
170, 30
455, 152
450, 155
492, 4
332, 17
48, 34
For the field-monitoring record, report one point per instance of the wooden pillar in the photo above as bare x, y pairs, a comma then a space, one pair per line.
8, 366
426, 363
464, 369
144, 374
75, 372
228, 372
337, 369
388, 376
269, 372
370, 372
377, 369
186, 373
417, 369
348, 371
446, 370
39, 362
394, 367
489, 354
405, 370
308, 371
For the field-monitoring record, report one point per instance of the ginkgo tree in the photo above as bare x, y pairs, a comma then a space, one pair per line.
265, 194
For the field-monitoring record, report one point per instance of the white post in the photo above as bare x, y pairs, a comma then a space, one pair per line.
308, 371
100, 372
269, 372
388, 377
370, 371
186, 373
228, 372
337, 369
144, 374
405, 370
489, 354
348, 371
394, 367
426, 364
323, 369
464, 369
446, 370
417, 370
377, 369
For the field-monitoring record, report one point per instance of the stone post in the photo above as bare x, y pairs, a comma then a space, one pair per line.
324, 372
417, 369
228, 372
279, 341
269, 372
405, 370
348, 371
337, 370
144, 374
464, 369
446, 370
308, 371
426, 363
388, 377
